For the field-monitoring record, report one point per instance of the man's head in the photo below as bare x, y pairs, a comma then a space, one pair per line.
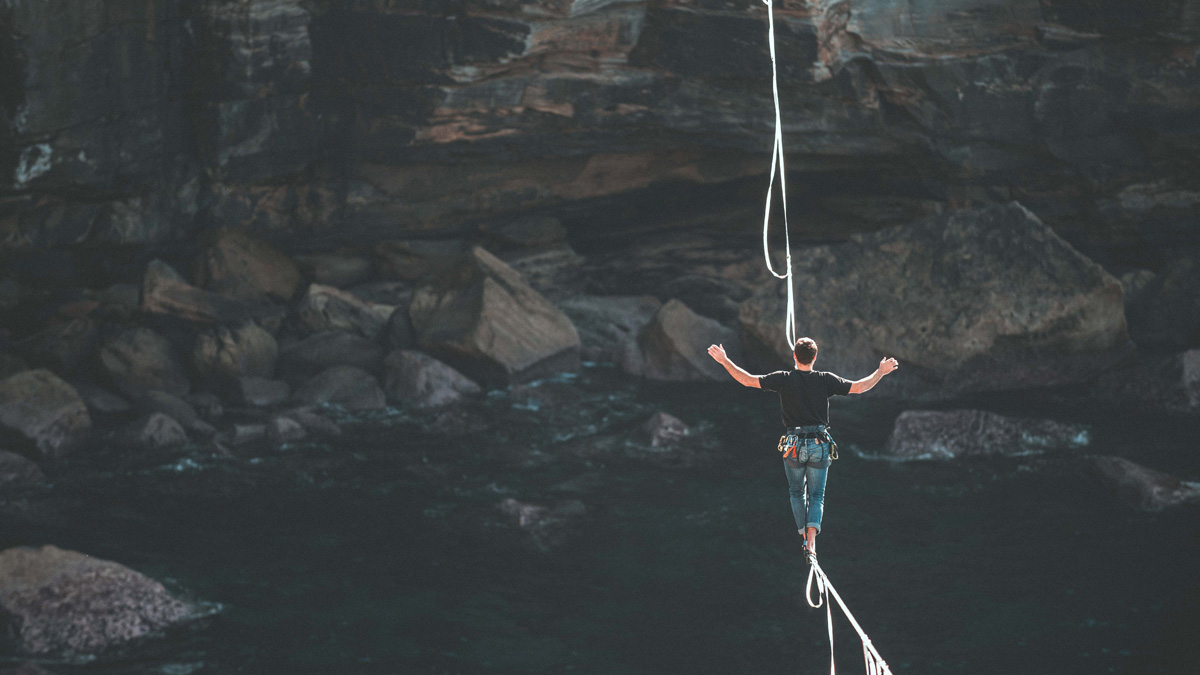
805, 351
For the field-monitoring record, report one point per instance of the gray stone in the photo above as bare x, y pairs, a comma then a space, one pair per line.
172, 406
263, 393
138, 360
41, 413
244, 434
983, 299
349, 387
11, 364
328, 348
663, 430
609, 325
1164, 308
59, 603
485, 321
325, 308
930, 434
1164, 384
420, 380
17, 471
165, 292
283, 429
101, 400
395, 293
223, 355
674, 346
416, 259
1144, 488
155, 432
339, 269
238, 266
62, 346
314, 423
547, 527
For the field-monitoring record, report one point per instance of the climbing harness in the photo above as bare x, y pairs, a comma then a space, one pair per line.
777, 159
789, 442
874, 662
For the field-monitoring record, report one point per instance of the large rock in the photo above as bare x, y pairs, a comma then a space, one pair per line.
41, 413
417, 259
1165, 384
984, 299
155, 432
325, 308
1144, 488
1164, 308
674, 346
930, 434
485, 321
328, 348
58, 603
547, 526
608, 325
423, 381
63, 345
138, 360
238, 266
338, 268
262, 393
223, 355
165, 292
17, 471
346, 386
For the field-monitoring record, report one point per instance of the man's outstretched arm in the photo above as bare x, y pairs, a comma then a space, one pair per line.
885, 366
746, 379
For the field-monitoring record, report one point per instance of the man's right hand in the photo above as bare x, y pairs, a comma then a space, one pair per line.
718, 353
887, 365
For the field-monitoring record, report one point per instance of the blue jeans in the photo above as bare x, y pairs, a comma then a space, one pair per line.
806, 477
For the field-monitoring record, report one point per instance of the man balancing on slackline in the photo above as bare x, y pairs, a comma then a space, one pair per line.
807, 447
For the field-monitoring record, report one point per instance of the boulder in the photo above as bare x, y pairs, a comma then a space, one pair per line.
223, 355
1164, 308
41, 413
674, 346
138, 360
1164, 384
155, 432
547, 527
1144, 488
931, 434
328, 348
395, 293
980, 299
101, 400
416, 259
349, 387
176, 408
283, 429
165, 292
314, 423
484, 320
207, 404
59, 603
17, 471
244, 434
262, 393
325, 308
62, 345
339, 268
119, 302
663, 430
423, 381
238, 266
608, 325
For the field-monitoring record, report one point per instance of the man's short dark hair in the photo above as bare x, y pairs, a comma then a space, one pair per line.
805, 351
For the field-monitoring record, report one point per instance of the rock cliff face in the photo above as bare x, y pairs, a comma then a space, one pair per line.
133, 123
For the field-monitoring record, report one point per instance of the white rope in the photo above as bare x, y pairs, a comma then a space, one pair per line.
875, 665
777, 159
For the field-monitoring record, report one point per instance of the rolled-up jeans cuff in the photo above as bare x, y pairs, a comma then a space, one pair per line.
815, 525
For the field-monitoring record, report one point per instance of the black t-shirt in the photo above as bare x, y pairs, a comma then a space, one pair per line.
804, 394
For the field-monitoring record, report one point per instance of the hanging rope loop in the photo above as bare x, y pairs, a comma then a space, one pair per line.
874, 663
777, 163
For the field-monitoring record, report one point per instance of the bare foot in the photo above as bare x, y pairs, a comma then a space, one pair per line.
810, 537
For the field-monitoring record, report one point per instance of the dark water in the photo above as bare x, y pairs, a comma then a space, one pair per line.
386, 553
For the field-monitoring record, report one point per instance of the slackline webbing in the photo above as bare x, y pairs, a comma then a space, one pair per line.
777, 160
875, 664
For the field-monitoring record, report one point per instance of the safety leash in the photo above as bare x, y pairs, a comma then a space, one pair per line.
874, 662
777, 159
